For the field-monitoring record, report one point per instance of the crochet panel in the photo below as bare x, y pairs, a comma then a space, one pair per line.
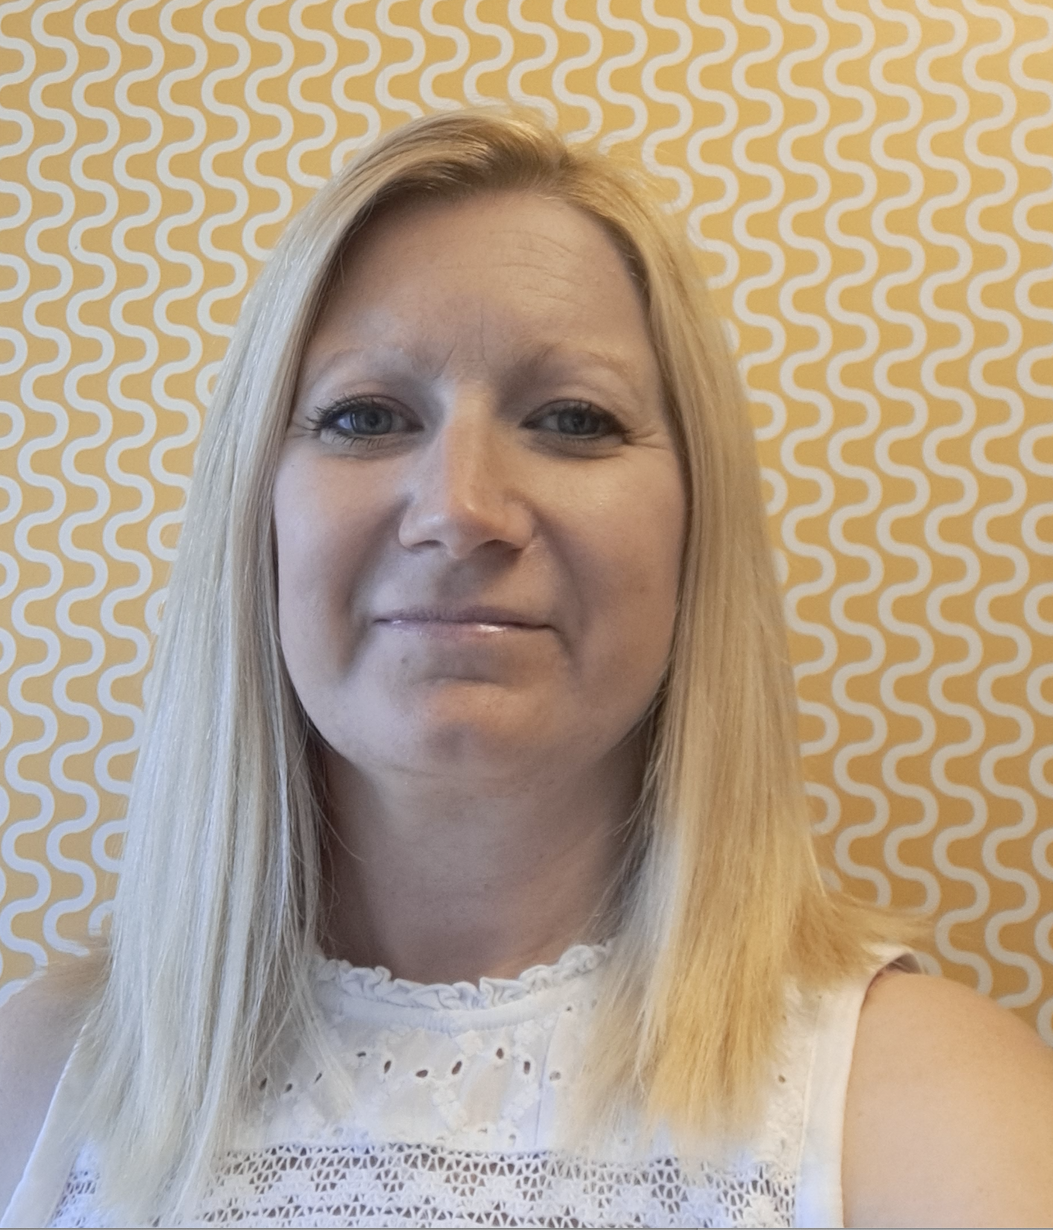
449, 1107
422, 1185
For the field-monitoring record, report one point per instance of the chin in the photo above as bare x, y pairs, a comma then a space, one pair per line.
471, 733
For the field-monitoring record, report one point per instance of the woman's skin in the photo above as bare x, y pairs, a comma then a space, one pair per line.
479, 514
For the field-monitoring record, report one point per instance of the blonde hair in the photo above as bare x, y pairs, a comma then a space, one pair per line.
217, 909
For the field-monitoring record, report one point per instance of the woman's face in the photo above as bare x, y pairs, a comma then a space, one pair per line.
479, 509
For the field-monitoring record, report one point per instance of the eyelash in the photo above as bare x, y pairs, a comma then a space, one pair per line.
325, 418
608, 424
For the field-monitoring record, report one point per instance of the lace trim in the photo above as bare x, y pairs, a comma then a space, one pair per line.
378, 985
426, 1185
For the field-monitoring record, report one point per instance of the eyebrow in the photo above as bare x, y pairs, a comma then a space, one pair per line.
611, 360
341, 356
557, 351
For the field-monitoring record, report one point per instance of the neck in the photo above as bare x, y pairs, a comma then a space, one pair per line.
440, 881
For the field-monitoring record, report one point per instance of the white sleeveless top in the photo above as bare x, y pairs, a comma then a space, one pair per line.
460, 1095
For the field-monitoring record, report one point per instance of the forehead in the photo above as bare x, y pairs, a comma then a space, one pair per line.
510, 269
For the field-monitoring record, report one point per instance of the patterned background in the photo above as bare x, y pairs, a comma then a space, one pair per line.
870, 186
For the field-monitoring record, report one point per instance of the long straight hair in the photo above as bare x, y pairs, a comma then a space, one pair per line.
217, 909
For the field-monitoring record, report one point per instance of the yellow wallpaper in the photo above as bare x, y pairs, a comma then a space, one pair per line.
870, 185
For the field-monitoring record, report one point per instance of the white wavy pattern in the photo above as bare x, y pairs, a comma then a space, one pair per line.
871, 189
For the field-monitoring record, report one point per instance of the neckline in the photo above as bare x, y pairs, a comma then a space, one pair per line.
376, 985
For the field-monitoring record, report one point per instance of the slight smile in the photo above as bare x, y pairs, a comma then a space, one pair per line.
460, 622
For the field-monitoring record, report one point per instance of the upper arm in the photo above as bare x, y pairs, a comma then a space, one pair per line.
38, 1027
949, 1116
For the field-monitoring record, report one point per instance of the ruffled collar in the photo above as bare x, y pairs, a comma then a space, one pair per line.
378, 986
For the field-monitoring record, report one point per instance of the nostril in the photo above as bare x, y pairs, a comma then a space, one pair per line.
461, 527
466, 489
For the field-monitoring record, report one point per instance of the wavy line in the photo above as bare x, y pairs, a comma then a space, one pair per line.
126, 310
550, 48
399, 68
71, 630
611, 65
974, 801
10, 573
587, 58
349, 73
673, 98
39, 445
772, 398
923, 797
1023, 800
818, 326
823, 795
321, 111
13, 79
223, 151
440, 68
1025, 209
496, 63
745, 214
726, 176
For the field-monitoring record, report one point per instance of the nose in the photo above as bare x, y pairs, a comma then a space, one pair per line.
464, 494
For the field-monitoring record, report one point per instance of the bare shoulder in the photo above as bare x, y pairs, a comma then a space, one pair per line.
949, 1118
38, 1027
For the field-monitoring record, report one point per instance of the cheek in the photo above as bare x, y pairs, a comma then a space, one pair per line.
299, 535
636, 551
652, 566
318, 543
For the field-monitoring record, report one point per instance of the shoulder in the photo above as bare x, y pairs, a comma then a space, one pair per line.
38, 1027
949, 1115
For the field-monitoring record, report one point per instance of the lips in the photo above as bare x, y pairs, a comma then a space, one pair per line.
486, 616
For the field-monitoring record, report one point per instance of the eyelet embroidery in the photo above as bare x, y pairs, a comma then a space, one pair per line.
454, 1120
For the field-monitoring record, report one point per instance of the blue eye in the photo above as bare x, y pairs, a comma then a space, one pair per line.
578, 421
369, 421
362, 419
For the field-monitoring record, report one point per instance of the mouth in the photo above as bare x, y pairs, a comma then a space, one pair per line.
453, 621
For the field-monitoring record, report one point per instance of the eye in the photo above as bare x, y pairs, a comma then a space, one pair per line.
578, 421
362, 421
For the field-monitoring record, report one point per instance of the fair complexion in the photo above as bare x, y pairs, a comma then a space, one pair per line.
477, 587
479, 515
949, 1115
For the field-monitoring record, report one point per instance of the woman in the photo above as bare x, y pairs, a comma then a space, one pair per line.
473, 671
